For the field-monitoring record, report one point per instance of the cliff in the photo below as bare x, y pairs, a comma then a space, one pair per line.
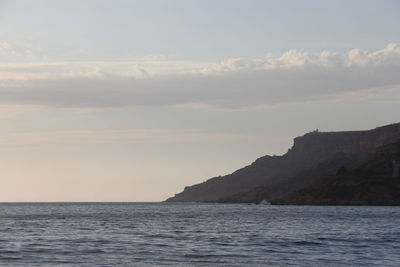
375, 181
311, 156
300, 180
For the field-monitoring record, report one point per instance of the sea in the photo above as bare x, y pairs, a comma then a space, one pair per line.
192, 234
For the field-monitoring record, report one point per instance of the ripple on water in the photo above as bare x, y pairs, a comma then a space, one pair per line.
140, 234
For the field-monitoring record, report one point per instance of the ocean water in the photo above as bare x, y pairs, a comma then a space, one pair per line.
168, 234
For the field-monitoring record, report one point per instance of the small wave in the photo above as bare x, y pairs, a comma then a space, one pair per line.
9, 258
307, 243
201, 256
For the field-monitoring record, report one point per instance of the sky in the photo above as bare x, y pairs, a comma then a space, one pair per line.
133, 100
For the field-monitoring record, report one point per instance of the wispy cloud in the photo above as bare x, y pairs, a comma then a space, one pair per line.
136, 136
12, 110
5, 46
235, 83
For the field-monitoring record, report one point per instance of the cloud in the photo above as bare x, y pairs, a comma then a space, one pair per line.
389, 56
14, 52
4, 46
137, 136
9, 111
99, 69
294, 76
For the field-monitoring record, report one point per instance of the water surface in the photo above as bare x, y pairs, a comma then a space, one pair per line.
168, 234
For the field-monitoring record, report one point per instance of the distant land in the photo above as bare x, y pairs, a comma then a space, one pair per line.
321, 168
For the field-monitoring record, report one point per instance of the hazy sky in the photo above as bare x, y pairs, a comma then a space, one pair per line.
133, 100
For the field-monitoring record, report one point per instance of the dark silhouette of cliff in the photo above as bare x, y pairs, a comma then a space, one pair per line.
298, 181
375, 181
312, 156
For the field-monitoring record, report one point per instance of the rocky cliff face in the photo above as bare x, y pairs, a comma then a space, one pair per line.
307, 153
300, 180
375, 181
325, 143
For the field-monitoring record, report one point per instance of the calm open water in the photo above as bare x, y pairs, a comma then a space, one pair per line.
164, 234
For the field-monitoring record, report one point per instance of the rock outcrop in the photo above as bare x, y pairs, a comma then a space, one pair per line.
312, 156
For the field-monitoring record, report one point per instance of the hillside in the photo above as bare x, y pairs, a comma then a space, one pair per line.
376, 181
282, 172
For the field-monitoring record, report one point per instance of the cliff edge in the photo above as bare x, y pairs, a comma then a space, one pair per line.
311, 157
